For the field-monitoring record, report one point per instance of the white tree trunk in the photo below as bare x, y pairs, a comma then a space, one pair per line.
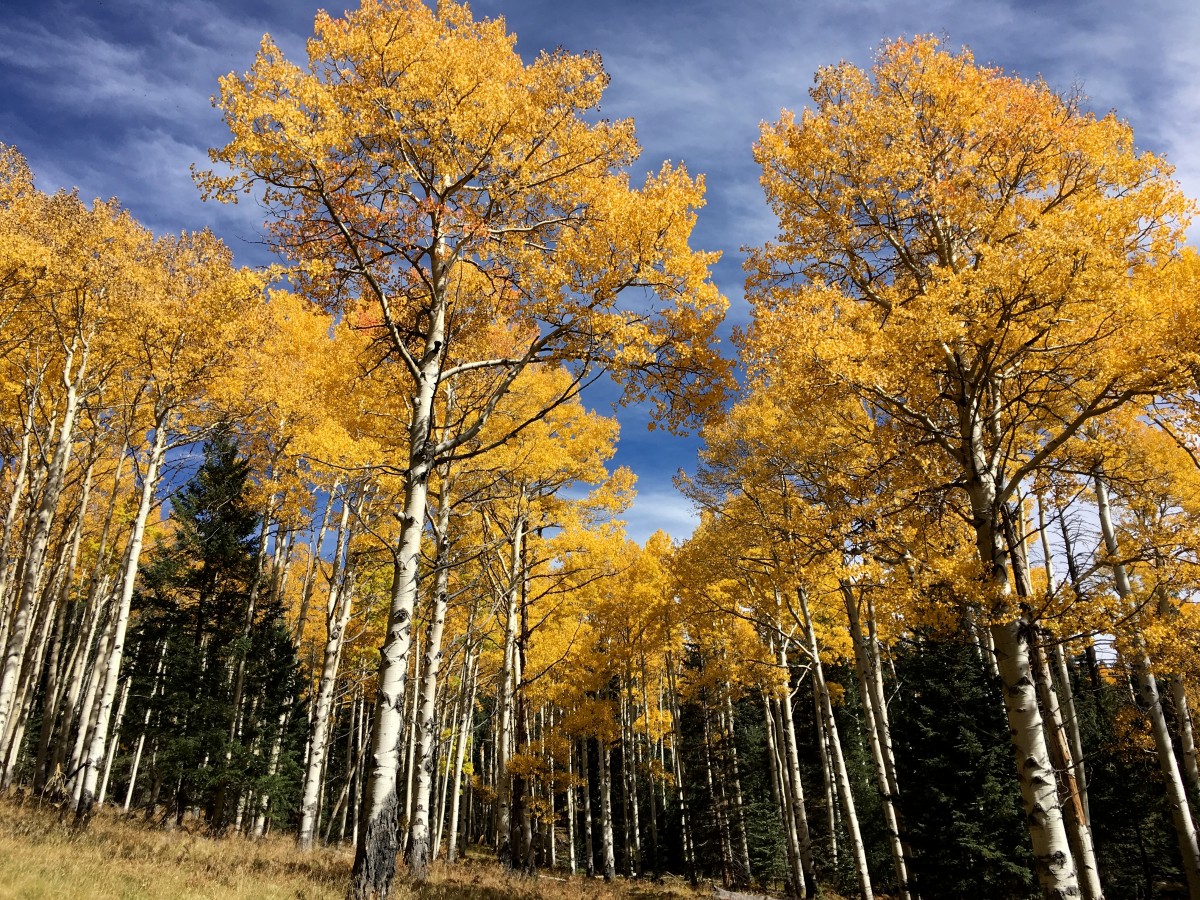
738, 798
15, 500
419, 829
878, 736
39, 538
1009, 647
141, 744
689, 848
464, 741
1187, 739
606, 818
572, 865
92, 764
837, 758
112, 744
338, 609
1078, 831
88, 704
378, 844
782, 800
1051, 848
507, 699
1185, 829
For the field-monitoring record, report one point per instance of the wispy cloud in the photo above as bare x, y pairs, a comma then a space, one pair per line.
659, 510
114, 98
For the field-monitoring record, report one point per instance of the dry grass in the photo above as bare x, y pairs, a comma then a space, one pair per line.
123, 859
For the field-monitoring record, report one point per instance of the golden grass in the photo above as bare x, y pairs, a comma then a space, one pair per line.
123, 859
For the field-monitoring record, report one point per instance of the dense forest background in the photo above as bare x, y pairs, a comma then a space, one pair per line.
335, 547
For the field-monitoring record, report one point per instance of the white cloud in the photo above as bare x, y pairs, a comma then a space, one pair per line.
114, 98
660, 510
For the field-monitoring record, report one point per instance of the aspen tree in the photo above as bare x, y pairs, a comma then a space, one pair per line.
418, 167
188, 327
956, 246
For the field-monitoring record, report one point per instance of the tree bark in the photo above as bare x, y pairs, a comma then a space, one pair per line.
39, 536
1010, 641
337, 617
95, 754
879, 738
419, 829
464, 741
835, 747
609, 858
1181, 814
507, 698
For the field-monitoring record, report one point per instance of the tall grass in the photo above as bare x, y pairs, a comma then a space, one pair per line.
122, 858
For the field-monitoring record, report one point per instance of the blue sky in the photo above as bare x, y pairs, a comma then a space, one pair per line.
112, 97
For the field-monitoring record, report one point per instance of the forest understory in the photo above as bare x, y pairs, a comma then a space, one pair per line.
43, 856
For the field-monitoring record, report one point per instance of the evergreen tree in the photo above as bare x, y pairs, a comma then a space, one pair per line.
229, 668
1135, 840
962, 806
768, 860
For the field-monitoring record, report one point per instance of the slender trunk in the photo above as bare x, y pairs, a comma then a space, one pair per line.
828, 778
261, 822
685, 824
91, 770
87, 706
410, 744
875, 717
589, 847
337, 617
1051, 847
1177, 798
419, 830
629, 810
652, 793
738, 799
572, 866
606, 821
19, 481
314, 555
39, 537
34, 653
522, 814
837, 758
464, 741
551, 818
1078, 831
1187, 740
52, 689
720, 809
445, 752
1052, 855
93, 608
112, 744
782, 800
1078, 588
141, 743
507, 699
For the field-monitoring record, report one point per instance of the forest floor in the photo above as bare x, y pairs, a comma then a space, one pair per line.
122, 858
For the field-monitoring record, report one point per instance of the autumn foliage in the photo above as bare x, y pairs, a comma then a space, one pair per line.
338, 546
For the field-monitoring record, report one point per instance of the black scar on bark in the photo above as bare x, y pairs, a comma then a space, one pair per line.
375, 856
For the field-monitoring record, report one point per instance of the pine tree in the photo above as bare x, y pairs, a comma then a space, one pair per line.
964, 812
205, 609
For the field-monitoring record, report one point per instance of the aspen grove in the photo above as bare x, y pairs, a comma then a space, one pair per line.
335, 548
